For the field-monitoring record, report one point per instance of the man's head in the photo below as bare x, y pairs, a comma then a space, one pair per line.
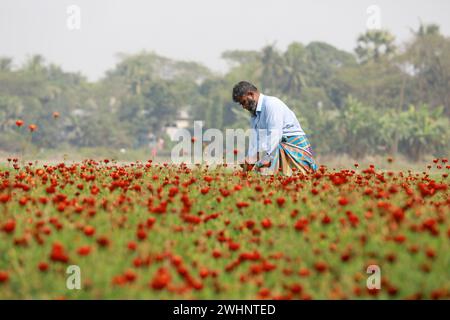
246, 94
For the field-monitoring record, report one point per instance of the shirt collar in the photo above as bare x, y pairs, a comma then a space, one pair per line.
260, 101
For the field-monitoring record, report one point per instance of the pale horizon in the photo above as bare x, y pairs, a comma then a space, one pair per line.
197, 30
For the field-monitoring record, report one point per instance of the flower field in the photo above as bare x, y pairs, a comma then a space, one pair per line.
158, 231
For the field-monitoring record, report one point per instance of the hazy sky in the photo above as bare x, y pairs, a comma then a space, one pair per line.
198, 30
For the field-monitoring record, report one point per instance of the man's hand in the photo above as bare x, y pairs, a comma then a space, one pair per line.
264, 162
247, 165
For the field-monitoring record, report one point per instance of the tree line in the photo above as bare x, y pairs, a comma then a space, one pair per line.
382, 98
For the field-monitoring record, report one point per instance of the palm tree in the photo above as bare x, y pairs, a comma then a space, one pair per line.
375, 44
272, 68
295, 62
428, 57
427, 30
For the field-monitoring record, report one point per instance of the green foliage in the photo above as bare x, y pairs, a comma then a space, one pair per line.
429, 131
358, 103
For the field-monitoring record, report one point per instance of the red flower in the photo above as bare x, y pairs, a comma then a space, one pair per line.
19, 123
58, 253
216, 253
84, 250
4, 198
4, 276
296, 288
204, 190
233, 246
242, 204
161, 279
430, 253
32, 127
119, 280
141, 234
89, 230
264, 293
94, 190
320, 266
266, 223
132, 245
150, 222
398, 214
249, 224
9, 226
399, 238
281, 201
173, 191
343, 201
43, 266
208, 178
130, 275
103, 241
304, 272
203, 273
345, 256
301, 224
326, 219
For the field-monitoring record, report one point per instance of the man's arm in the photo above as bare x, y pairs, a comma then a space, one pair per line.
253, 146
274, 128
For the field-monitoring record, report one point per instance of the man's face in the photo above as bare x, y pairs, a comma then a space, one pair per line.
249, 103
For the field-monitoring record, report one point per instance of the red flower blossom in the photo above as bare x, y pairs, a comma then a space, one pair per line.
4, 276
326, 219
43, 266
301, 224
204, 190
304, 272
266, 223
130, 275
343, 201
216, 253
84, 250
264, 292
161, 279
281, 201
103, 241
89, 230
320, 266
233, 246
141, 234
132, 245
9, 226
242, 204
58, 253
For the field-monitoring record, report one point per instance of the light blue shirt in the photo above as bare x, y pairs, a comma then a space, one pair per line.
273, 120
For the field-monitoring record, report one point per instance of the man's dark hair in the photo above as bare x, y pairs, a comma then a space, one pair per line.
241, 89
